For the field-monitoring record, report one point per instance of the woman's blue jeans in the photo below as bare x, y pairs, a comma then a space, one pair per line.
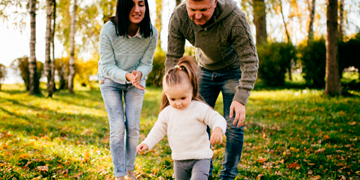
211, 83
124, 122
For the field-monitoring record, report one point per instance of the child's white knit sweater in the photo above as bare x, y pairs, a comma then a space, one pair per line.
186, 130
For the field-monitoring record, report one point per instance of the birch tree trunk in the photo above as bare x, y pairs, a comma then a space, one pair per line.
53, 16
48, 38
34, 88
311, 23
333, 84
72, 50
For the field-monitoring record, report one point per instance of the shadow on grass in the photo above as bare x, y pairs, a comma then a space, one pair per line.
88, 129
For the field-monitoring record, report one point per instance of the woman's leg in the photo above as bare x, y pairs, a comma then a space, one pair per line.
112, 96
133, 104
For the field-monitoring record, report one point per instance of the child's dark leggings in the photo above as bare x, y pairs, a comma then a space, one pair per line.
194, 169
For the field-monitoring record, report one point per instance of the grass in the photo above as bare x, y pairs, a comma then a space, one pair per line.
290, 133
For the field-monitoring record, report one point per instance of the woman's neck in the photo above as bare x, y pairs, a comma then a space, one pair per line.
133, 28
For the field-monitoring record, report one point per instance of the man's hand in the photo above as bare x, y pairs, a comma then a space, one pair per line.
239, 110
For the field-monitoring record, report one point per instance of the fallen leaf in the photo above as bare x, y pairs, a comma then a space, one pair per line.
352, 123
326, 137
294, 165
42, 168
261, 160
319, 151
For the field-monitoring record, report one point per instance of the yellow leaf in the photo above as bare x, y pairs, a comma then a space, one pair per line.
261, 160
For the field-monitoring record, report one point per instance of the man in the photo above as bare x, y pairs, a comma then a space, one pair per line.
226, 54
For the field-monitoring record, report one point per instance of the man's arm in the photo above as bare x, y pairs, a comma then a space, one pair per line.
245, 47
176, 42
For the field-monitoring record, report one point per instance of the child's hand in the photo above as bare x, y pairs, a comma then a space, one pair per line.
216, 136
141, 147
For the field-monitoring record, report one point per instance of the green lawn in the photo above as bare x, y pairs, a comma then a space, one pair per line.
289, 134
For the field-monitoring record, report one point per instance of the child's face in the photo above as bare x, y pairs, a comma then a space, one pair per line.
179, 95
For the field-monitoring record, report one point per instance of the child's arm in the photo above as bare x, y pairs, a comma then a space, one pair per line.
216, 136
141, 147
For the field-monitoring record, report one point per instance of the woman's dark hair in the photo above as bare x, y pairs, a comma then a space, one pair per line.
122, 22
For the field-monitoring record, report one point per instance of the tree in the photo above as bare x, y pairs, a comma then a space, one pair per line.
34, 83
341, 20
21, 65
333, 83
48, 41
260, 21
72, 49
311, 22
3, 73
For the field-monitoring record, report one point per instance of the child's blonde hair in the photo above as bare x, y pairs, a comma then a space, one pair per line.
187, 69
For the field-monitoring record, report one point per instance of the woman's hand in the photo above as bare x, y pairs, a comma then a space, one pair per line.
134, 77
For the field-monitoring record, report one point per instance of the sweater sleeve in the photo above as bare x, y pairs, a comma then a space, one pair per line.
176, 41
157, 132
245, 47
145, 65
107, 56
213, 119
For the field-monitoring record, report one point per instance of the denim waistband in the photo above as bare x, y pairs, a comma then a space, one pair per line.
229, 68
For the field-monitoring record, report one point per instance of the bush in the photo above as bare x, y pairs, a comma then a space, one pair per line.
349, 53
22, 65
157, 73
274, 59
313, 60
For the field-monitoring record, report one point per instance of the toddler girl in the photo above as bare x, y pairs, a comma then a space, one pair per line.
185, 122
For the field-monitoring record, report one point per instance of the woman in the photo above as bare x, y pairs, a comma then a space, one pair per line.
127, 46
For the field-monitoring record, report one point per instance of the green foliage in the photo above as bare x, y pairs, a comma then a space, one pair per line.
62, 68
158, 70
289, 134
3, 73
274, 58
349, 53
313, 61
22, 65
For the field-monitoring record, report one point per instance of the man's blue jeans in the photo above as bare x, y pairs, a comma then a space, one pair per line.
124, 124
211, 83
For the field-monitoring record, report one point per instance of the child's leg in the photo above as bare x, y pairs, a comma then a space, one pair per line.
182, 169
200, 170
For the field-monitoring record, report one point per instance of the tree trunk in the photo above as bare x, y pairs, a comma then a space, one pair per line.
34, 88
287, 37
53, 48
47, 46
178, 2
260, 21
311, 23
333, 84
72, 50
341, 21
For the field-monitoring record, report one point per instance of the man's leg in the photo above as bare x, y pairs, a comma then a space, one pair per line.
209, 91
234, 134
